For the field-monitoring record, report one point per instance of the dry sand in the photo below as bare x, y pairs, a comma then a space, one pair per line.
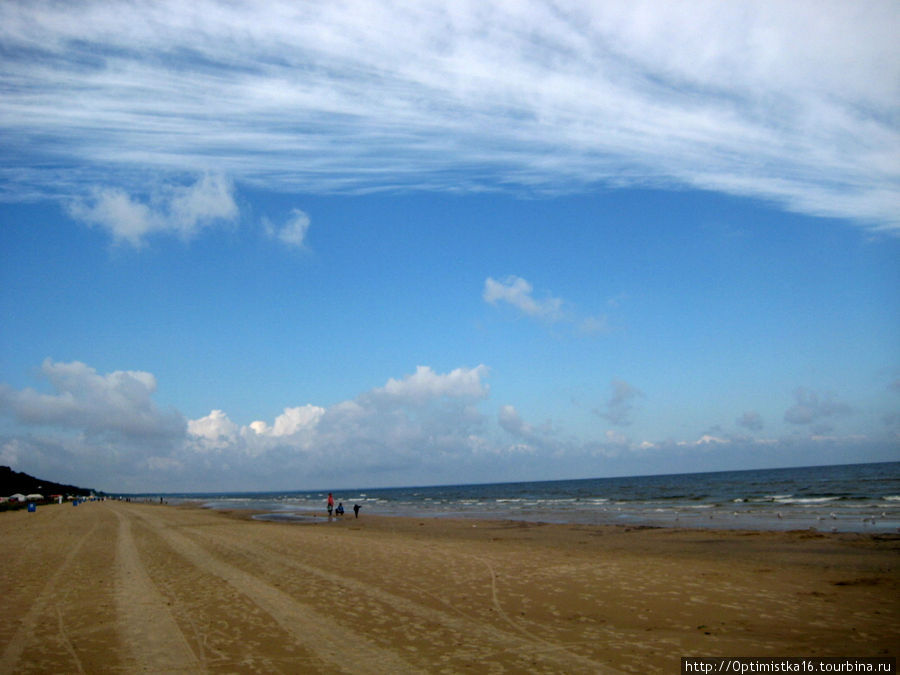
116, 587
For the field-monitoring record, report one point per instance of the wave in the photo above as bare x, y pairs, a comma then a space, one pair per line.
807, 500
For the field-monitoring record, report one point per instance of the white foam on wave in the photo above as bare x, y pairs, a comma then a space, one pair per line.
807, 500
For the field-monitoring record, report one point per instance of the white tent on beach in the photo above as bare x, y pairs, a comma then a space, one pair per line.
18, 497
34, 497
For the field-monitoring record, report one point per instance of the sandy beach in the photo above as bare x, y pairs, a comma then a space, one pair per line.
114, 587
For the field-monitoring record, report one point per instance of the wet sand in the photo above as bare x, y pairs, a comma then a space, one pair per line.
119, 588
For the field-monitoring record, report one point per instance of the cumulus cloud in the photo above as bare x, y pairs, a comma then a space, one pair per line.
751, 420
215, 430
119, 402
105, 431
292, 421
425, 385
509, 419
414, 421
811, 408
180, 210
621, 404
293, 232
517, 292
790, 102
707, 440
109, 424
594, 325
123, 217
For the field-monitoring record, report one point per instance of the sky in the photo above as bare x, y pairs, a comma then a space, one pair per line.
275, 246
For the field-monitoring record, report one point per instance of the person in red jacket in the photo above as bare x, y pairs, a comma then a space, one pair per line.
330, 504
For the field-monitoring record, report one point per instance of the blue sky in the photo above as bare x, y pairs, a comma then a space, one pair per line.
368, 244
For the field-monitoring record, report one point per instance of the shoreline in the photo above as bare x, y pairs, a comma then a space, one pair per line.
315, 517
846, 498
763, 524
133, 587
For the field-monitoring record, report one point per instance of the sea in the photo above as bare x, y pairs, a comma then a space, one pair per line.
846, 498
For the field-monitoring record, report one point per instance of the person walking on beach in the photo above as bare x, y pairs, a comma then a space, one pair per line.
330, 504
356, 508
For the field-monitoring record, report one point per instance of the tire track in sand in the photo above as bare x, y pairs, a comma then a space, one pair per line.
310, 629
14, 648
149, 632
522, 640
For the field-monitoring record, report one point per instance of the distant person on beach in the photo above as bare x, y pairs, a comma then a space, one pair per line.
330, 504
340, 509
356, 508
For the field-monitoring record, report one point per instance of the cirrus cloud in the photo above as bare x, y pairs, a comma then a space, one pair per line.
788, 102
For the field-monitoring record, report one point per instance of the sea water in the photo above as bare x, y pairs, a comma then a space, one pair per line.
847, 498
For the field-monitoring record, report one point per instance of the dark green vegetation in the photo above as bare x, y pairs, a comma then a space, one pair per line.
15, 482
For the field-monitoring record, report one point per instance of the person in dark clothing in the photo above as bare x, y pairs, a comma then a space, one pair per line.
356, 508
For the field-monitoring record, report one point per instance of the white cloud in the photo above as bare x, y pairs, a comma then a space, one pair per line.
517, 292
707, 439
118, 402
113, 210
790, 102
509, 419
291, 421
105, 431
215, 430
207, 200
293, 232
408, 422
425, 385
182, 210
